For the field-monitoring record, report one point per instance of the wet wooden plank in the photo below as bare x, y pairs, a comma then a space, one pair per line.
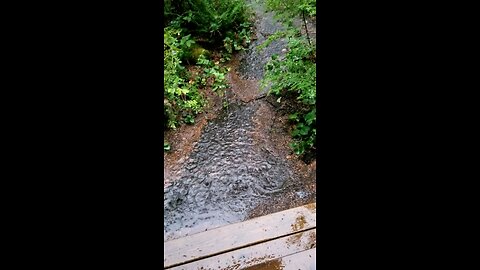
257, 254
235, 236
305, 260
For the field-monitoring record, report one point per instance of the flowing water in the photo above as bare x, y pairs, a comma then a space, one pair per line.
240, 165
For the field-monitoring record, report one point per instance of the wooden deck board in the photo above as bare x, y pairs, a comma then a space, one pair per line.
253, 255
239, 235
305, 260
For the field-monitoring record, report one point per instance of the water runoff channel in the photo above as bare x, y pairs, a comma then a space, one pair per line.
238, 169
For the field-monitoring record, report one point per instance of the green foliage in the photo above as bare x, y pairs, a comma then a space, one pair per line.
304, 133
195, 52
166, 146
295, 74
213, 75
310, 7
238, 40
270, 39
189, 119
187, 24
290, 32
290, 8
209, 18
215, 23
180, 95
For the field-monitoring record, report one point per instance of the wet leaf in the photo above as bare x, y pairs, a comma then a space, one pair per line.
304, 130
310, 117
293, 117
166, 146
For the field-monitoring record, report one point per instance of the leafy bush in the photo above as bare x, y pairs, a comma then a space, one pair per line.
291, 8
296, 74
213, 75
236, 41
211, 19
182, 98
186, 24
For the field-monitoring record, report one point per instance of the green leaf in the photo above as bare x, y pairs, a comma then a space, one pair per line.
304, 130
189, 119
293, 117
166, 146
310, 117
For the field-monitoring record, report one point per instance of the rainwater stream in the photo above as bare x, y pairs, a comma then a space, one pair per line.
238, 162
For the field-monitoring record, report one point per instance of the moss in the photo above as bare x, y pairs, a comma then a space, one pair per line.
195, 52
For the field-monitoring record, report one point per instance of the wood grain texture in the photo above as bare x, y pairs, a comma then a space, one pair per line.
257, 254
239, 235
305, 260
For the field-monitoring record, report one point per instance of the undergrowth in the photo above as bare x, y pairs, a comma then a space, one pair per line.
294, 74
193, 30
291, 8
182, 99
208, 19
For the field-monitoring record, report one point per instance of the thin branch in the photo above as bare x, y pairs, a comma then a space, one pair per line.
306, 29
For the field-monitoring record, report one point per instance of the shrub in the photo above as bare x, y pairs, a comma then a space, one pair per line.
291, 8
187, 25
296, 74
182, 98
211, 19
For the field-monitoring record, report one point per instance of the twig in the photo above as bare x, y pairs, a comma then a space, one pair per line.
306, 30
257, 98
